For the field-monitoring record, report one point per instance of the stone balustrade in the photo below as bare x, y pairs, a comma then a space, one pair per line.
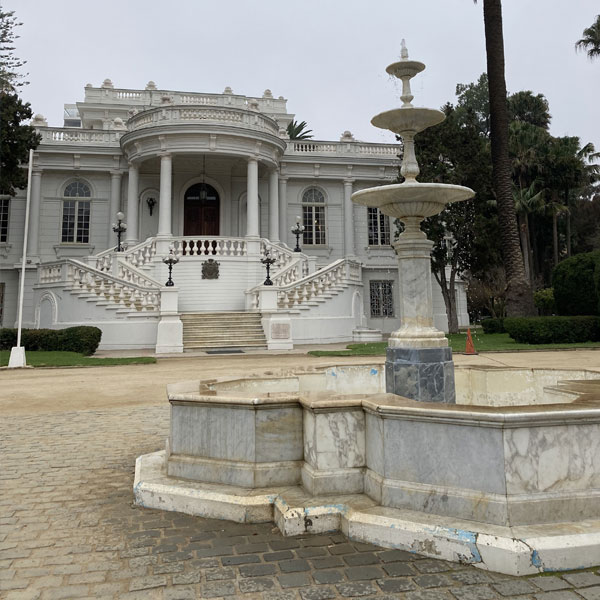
81, 137
193, 114
213, 246
310, 147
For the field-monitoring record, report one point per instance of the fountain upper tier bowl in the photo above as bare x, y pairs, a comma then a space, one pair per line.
408, 119
412, 199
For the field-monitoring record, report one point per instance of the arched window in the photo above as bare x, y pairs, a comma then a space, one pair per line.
76, 213
313, 217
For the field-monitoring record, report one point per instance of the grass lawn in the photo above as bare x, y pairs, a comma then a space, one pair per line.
483, 342
72, 359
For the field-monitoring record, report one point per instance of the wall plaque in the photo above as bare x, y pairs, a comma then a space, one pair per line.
210, 269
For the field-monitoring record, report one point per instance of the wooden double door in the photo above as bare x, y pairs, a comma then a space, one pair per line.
201, 210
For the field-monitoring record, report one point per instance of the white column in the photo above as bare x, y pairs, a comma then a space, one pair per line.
34, 214
132, 204
115, 206
348, 219
283, 234
164, 204
274, 206
252, 208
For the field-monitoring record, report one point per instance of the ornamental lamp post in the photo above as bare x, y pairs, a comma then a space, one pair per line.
170, 260
119, 228
268, 261
297, 230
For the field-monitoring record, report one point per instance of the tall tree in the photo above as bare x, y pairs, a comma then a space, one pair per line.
10, 78
519, 296
590, 42
524, 106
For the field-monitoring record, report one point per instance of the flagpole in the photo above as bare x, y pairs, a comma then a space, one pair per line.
17, 353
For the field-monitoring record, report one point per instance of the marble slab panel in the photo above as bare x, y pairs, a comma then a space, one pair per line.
444, 454
213, 432
340, 439
278, 434
374, 442
552, 459
325, 482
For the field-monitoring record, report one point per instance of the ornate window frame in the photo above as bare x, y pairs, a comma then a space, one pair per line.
381, 298
76, 212
314, 216
378, 227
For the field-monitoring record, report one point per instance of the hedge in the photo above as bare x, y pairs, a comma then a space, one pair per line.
83, 339
574, 281
553, 330
493, 325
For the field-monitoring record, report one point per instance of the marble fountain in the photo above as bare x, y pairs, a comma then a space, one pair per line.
495, 467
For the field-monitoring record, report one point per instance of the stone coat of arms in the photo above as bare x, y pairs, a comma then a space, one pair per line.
210, 269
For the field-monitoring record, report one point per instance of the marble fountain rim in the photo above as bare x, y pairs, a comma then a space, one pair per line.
391, 406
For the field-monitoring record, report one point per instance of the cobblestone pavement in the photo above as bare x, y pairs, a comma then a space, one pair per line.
68, 529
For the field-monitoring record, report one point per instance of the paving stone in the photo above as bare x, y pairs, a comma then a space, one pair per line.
281, 555
187, 578
365, 547
514, 587
317, 593
585, 579
427, 595
396, 585
471, 576
256, 584
328, 576
557, 595
293, 566
216, 589
395, 556
342, 549
217, 574
430, 565
590, 593
431, 581
285, 595
316, 540
180, 593
311, 552
398, 569
251, 548
367, 572
475, 592
145, 583
65, 591
288, 580
327, 562
352, 590
367, 558
169, 568
549, 583
257, 570
245, 559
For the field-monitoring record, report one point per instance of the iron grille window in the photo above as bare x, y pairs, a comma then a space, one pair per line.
379, 228
313, 217
76, 214
4, 219
382, 299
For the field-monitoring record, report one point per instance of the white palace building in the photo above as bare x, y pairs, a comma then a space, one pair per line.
214, 179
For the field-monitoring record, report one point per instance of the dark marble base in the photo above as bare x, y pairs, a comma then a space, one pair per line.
422, 374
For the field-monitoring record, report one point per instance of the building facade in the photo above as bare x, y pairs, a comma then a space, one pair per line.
215, 180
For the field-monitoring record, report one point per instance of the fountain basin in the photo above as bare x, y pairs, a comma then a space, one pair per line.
412, 199
305, 450
408, 119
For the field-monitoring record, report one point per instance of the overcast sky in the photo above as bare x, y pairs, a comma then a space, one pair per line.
327, 57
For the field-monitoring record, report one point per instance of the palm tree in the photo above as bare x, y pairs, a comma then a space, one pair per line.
519, 296
528, 202
299, 131
590, 42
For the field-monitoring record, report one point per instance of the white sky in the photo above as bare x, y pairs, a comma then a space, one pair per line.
327, 57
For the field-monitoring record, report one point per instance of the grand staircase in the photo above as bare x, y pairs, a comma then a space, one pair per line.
205, 331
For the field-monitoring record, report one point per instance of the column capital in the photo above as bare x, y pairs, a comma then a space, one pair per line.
37, 171
349, 181
133, 166
252, 159
165, 154
116, 173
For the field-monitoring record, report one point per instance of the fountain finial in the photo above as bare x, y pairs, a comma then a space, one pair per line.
404, 51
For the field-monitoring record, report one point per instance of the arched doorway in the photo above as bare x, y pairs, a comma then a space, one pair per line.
201, 210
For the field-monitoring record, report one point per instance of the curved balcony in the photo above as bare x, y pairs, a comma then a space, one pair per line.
203, 114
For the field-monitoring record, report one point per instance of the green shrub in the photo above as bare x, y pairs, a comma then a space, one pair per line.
574, 283
553, 330
493, 325
83, 340
544, 301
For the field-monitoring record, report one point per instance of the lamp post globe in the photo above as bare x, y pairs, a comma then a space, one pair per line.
297, 230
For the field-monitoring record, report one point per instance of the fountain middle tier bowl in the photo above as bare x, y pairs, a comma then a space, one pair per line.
412, 199
408, 119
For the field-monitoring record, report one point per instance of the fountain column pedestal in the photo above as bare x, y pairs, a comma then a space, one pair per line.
419, 362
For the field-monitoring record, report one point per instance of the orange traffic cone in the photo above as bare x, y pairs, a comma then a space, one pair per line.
470, 349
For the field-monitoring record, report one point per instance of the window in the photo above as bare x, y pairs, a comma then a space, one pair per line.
382, 300
4, 219
313, 217
379, 227
76, 213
